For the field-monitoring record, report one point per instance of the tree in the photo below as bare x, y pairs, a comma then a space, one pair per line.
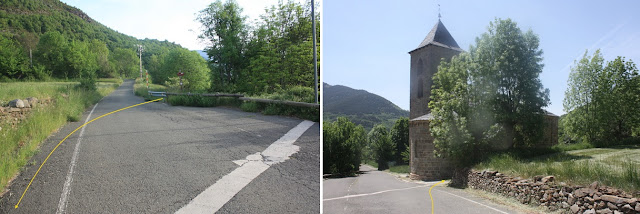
50, 53
342, 146
383, 147
191, 64
225, 29
101, 53
601, 100
126, 62
13, 63
400, 137
492, 94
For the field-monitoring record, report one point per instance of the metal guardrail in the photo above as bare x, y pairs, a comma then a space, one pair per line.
239, 96
157, 93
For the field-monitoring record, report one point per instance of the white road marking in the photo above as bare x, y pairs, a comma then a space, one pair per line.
218, 194
373, 193
66, 189
497, 210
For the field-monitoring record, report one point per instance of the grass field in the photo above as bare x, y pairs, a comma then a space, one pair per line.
617, 167
19, 144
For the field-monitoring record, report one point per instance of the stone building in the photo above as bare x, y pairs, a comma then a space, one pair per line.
438, 45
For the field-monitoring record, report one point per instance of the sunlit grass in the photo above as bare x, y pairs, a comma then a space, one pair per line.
617, 167
18, 144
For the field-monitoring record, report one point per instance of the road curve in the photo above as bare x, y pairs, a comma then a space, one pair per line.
379, 192
156, 158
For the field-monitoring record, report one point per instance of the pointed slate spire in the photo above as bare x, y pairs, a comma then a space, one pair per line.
439, 36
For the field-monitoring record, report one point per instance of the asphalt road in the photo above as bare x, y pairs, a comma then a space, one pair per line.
157, 158
379, 192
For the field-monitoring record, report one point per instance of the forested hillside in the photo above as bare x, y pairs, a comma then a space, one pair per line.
49, 39
360, 106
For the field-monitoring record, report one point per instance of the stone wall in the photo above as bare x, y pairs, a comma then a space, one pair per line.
423, 164
545, 191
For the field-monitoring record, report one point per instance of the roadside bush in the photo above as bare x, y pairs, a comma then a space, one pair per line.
383, 147
342, 147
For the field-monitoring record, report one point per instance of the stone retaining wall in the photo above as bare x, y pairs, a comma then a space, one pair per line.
545, 192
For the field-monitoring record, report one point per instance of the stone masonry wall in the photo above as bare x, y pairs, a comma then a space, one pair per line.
545, 192
423, 164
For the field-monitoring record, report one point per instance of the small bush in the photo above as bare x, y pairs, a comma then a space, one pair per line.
342, 147
250, 107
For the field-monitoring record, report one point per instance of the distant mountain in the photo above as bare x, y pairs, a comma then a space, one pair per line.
203, 54
360, 106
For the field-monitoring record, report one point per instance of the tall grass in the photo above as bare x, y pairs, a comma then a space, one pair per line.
19, 144
580, 167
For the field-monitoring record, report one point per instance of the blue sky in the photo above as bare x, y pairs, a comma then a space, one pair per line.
366, 43
160, 19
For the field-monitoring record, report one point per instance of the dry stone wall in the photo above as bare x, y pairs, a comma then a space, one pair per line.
546, 192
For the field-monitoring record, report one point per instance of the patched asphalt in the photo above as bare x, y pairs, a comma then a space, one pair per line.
155, 158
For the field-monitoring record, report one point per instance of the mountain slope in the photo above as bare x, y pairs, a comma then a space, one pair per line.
25, 21
360, 106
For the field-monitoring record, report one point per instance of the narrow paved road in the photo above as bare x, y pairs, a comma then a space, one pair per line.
157, 158
379, 192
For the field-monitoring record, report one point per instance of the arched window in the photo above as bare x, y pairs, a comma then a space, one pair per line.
420, 87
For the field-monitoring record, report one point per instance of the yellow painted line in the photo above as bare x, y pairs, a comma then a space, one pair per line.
54, 149
432, 206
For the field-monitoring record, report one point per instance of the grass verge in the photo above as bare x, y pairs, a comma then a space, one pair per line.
617, 167
18, 144
399, 169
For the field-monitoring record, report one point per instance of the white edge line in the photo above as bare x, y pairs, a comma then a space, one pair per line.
66, 189
217, 195
373, 193
497, 210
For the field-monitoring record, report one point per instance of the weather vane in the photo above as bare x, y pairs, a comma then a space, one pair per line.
439, 12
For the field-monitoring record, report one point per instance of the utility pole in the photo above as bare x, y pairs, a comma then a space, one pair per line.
315, 58
140, 49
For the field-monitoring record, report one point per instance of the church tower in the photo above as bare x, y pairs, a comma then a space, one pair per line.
437, 46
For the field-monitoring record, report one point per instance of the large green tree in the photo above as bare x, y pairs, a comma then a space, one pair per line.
226, 31
126, 62
493, 94
382, 146
342, 146
50, 53
194, 67
400, 137
601, 100
13, 64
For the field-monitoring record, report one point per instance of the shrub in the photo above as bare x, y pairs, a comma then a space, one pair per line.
382, 146
342, 147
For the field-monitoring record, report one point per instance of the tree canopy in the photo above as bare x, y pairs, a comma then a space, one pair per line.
601, 100
493, 94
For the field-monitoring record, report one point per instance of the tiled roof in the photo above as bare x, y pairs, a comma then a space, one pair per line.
439, 36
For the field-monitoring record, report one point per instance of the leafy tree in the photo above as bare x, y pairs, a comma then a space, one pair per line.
13, 63
191, 64
400, 137
492, 94
50, 53
100, 53
601, 100
225, 29
126, 62
382, 146
342, 146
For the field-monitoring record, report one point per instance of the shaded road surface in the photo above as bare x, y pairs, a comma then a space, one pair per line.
157, 158
379, 192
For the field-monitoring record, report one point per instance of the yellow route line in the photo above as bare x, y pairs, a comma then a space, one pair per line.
54, 149
432, 206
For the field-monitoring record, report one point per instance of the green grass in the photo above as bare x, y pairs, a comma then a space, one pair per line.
140, 89
400, 169
19, 144
297, 94
617, 167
